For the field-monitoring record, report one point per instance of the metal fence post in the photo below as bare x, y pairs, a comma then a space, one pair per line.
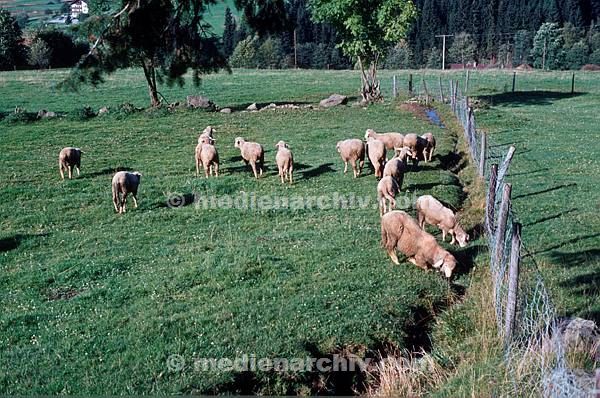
513, 283
482, 154
501, 230
573, 83
514, 81
491, 202
394, 87
410, 84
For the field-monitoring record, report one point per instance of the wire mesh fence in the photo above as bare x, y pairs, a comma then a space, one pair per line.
526, 317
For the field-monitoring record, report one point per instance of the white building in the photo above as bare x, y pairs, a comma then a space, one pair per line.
79, 7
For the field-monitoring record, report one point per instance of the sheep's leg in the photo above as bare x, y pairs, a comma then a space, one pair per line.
345, 167
382, 209
116, 202
291, 177
453, 239
77, 167
216, 169
443, 235
360, 166
135, 204
354, 170
393, 256
281, 174
124, 202
253, 165
70, 172
60, 169
197, 167
206, 170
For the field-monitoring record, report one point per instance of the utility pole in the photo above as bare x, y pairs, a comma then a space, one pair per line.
544, 55
295, 51
444, 49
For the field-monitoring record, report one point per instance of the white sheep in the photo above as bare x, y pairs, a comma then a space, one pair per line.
68, 158
391, 140
396, 166
353, 151
207, 156
252, 153
399, 231
429, 146
285, 161
387, 189
207, 132
376, 151
124, 183
431, 211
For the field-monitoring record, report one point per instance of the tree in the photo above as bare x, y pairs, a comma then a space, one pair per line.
433, 58
64, 52
547, 47
165, 37
577, 55
229, 33
523, 42
399, 57
463, 48
39, 54
11, 50
365, 29
269, 54
22, 20
244, 54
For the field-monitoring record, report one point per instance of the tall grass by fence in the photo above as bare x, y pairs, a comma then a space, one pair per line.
526, 318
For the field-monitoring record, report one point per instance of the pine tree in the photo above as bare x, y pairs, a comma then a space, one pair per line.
229, 33
11, 50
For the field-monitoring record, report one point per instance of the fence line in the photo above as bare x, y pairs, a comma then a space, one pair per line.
525, 315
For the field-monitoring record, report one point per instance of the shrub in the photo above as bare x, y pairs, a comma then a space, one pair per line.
84, 113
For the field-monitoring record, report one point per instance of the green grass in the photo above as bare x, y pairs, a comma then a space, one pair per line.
95, 303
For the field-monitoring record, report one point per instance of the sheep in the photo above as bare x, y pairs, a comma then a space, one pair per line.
123, 183
431, 211
429, 146
252, 153
391, 140
206, 154
207, 132
285, 161
68, 158
399, 231
352, 150
395, 168
376, 152
387, 189
417, 146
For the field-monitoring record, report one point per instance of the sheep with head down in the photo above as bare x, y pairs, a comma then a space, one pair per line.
353, 151
387, 189
207, 156
391, 140
433, 212
396, 166
376, 152
285, 161
123, 184
399, 231
69, 158
252, 153
429, 144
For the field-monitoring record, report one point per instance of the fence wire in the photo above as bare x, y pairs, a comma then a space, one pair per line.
534, 351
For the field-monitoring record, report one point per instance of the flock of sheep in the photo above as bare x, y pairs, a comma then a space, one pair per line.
399, 231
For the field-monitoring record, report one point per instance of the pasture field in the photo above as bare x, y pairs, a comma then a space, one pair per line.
95, 303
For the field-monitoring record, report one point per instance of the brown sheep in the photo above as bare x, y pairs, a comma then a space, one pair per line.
123, 183
285, 161
429, 146
252, 153
387, 189
206, 154
391, 140
376, 151
431, 211
207, 132
352, 150
399, 231
68, 158
395, 168
417, 146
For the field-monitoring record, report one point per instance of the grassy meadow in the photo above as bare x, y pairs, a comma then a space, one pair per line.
95, 303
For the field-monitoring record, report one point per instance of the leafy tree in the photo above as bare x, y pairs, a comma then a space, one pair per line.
365, 29
165, 37
399, 57
577, 55
11, 50
434, 58
269, 54
64, 51
229, 33
523, 42
39, 54
244, 54
463, 48
547, 47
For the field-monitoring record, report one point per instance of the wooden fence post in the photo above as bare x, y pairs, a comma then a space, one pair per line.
450, 94
501, 227
394, 87
491, 202
482, 154
467, 83
514, 81
513, 283
410, 84
426, 91
573, 83
441, 91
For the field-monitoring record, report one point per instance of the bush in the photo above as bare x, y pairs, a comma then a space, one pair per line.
20, 116
84, 113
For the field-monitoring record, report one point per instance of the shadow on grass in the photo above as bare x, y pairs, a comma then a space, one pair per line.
13, 242
585, 285
548, 218
525, 98
455, 162
260, 105
318, 171
106, 171
576, 259
576, 239
524, 173
556, 188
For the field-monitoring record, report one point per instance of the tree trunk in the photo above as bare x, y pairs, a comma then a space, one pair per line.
370, 88
150, 74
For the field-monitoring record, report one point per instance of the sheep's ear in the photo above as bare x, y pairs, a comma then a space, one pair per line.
438, 264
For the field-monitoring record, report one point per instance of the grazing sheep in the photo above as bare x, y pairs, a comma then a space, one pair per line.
429, 146
431, 211
207, 132
399, 231
417, 146
252, 153
285, 161
206, 154
376, 151
403, 154
396, 167
123, 183
391, 140
387, 189
352, 150
68, 158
